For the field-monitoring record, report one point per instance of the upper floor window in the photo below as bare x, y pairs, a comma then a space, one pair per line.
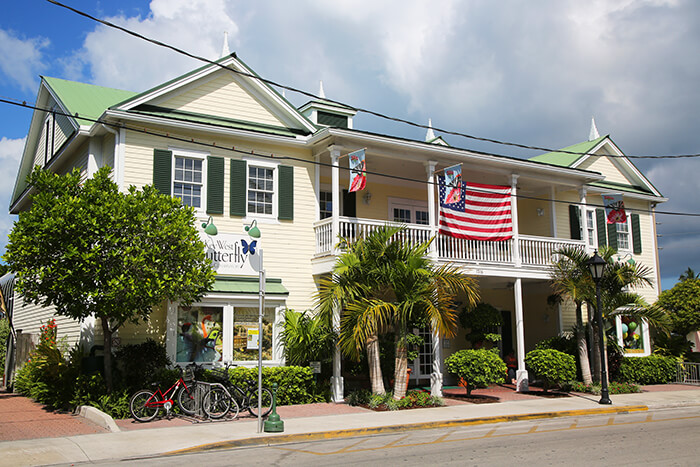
591, 228
623, 236
261, 190
325, 201
408, 211
188, 181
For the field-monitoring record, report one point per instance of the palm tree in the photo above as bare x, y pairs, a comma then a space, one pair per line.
384, 283
688, 274
570, 277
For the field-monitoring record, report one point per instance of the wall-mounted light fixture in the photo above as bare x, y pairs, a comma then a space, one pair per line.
367, 197
253, 229
540, 212
209, 227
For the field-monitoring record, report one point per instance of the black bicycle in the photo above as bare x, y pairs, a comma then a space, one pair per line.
225, 396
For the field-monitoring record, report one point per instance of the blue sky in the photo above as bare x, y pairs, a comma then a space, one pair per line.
530, 72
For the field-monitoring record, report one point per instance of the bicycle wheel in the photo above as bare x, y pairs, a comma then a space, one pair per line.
266, 405
216, 402
139, 410
186, 400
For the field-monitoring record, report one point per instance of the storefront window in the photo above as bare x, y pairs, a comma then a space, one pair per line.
199, 334
245, 319
632, 335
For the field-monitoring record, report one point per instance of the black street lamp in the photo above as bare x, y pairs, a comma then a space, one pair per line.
597, 266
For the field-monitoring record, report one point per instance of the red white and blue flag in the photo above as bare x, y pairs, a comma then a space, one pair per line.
483, 212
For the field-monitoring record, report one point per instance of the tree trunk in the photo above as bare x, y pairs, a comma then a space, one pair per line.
107, 342
373, 361
400, 365
582, 348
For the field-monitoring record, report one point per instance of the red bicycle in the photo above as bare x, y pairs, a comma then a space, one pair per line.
146, 404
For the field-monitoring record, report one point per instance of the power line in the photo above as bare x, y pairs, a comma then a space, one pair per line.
190, 140
357, 109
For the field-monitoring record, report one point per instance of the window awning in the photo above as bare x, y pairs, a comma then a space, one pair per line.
247, 285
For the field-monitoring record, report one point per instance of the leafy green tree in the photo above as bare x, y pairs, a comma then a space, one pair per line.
683, 305
306, 337
689, 274
481, 319
90, 250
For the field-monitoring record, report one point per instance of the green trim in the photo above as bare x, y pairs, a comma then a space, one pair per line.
575, 222
247, 285
600, 226
215, 185
162, 170
285, 195
612, 236
237, 188
623, 187
636, 234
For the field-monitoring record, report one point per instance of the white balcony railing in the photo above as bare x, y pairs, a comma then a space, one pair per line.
534, 251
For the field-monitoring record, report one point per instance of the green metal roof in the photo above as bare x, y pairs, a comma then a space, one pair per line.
623, 187
87, 100
564, 159
247, 285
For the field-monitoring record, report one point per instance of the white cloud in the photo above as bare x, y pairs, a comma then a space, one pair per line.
115, 59
21, 59
10, 154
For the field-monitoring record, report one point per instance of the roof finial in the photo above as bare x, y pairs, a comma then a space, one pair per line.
430, 135
321, 94
225, 52
594, 131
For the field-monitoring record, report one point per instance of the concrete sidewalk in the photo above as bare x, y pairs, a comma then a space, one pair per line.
220, 435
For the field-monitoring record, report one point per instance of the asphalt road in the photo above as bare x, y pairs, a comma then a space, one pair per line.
661, 437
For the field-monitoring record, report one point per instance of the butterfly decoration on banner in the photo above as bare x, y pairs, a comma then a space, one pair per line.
453, 184
358, 177
249, 247
614, 209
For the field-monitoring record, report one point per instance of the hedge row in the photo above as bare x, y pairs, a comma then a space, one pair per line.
654, 369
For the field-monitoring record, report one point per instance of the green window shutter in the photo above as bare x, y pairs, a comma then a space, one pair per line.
215, 185
575, 222
636, 235
238, 187
600, 225
162, 170
612, 236
285, 196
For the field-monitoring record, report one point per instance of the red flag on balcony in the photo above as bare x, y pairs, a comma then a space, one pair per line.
483, 213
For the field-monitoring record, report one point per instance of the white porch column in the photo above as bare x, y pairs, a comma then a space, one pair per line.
553, 209
584, 217
521, 374
94, 153
432, 214
317, 185
335, 193
337, 383
514, 217
436, 375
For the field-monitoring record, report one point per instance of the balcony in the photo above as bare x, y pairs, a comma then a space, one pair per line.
533, 252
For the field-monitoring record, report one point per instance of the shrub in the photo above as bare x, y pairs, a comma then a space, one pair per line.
140, 363
359, 397
613, 388
566, 344
306, 337
478, 368
654, 369
4, 334
296, 384
551, 366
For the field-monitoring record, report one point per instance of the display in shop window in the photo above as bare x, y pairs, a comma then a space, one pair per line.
632, 335
245, 333
200, 334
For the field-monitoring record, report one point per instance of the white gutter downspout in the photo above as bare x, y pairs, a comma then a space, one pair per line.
118, 156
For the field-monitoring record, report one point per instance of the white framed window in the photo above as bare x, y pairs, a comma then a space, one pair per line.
261, 189
591, 228
189, 178
408, 211
623, 235
633, 336
325, 201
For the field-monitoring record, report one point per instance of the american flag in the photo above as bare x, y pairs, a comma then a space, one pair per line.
483, 213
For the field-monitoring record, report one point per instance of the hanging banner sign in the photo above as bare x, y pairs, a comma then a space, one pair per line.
232, 254
358, 177
453, 184
614, 208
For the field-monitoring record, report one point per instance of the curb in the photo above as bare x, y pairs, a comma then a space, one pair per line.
269, 440
98, 417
